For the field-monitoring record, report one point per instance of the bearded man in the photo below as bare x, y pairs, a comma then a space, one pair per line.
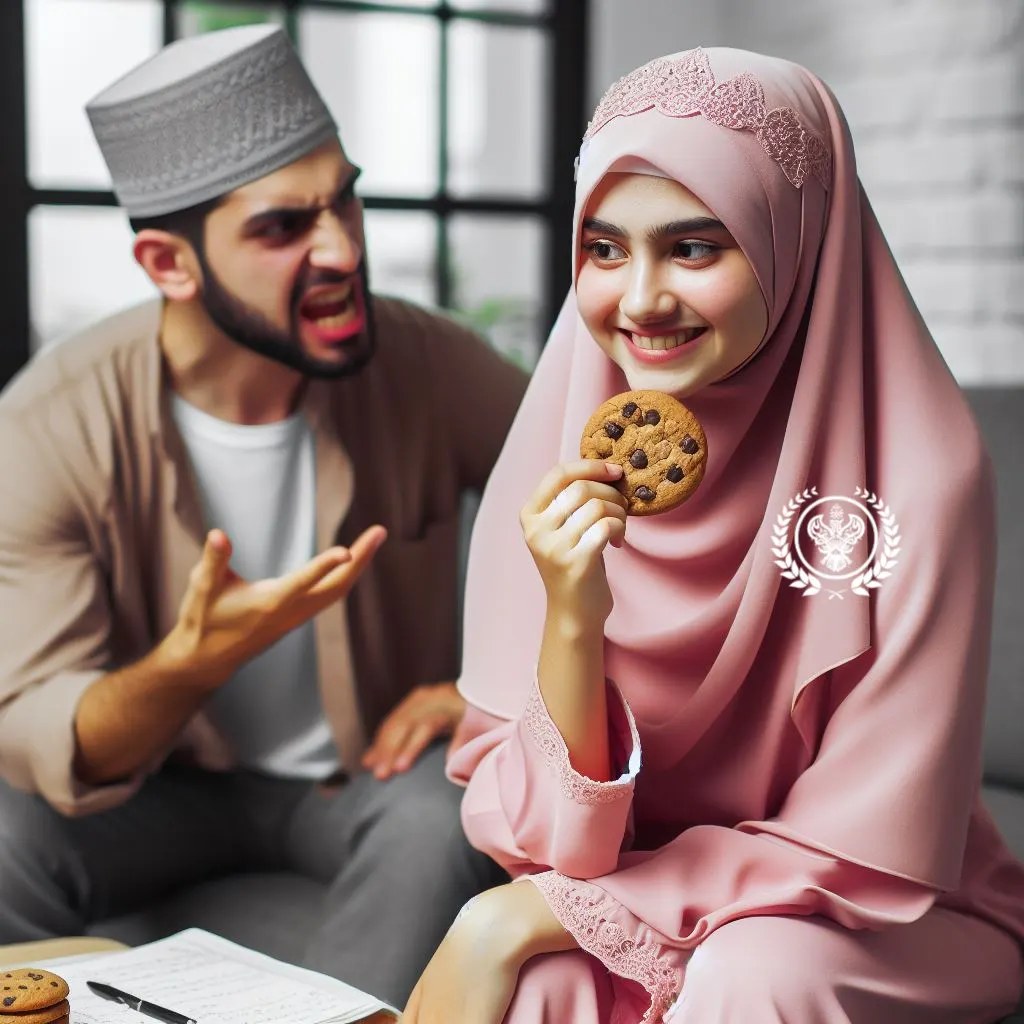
192, 682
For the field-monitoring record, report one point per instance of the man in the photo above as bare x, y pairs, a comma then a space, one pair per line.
228, 532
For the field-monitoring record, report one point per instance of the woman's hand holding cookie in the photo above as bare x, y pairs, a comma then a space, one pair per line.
569, 520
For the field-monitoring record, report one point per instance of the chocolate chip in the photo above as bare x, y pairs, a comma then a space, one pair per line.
652, 416
35, 977
689, 445
644, 493
613, 430
638, 460
25, 987
54, 984
9, 1000
628, 409
674, 474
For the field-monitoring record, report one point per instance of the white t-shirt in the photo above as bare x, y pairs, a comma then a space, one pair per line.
258, 484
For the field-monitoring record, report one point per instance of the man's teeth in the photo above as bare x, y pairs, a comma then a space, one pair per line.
663, 342
338, 320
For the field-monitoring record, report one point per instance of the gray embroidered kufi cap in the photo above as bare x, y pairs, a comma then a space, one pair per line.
204, 116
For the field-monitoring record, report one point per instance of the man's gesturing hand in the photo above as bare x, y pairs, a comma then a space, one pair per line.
225, 620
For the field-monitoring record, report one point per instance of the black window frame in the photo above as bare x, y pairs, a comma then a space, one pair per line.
566, 24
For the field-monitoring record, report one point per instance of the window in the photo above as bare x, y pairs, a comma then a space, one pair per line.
465, 115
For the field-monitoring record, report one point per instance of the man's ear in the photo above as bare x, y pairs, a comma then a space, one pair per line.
170, 262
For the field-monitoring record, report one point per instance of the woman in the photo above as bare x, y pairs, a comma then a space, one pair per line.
725, 798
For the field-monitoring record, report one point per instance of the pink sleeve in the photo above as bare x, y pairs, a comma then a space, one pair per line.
527, 807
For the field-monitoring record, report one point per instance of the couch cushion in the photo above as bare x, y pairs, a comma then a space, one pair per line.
1007, 807
1000, 415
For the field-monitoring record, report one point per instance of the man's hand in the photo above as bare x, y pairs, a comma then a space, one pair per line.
426, 713
224, 621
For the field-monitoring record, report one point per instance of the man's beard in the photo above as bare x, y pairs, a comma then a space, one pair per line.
250, 328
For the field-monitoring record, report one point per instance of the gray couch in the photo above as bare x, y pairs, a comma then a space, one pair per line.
274, 912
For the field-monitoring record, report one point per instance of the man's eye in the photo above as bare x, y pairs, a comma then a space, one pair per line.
282, 228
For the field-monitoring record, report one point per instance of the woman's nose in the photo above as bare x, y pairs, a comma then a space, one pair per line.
647, 296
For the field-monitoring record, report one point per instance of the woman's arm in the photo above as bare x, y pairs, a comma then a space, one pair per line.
569, 520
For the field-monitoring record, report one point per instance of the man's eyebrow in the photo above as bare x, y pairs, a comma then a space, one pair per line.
298, 209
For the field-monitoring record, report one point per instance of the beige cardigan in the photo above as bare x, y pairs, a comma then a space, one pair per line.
100, 524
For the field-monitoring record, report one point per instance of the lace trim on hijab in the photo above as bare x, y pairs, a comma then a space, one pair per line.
579, 911
684, 85
549, 742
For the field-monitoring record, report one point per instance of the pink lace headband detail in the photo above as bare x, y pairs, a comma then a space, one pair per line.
683, 86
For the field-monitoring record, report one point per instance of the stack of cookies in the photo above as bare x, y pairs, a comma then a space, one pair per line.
30, 995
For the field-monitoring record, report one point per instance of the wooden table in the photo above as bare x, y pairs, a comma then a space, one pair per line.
28, 953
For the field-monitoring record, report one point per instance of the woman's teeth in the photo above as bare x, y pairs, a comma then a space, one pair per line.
663, 342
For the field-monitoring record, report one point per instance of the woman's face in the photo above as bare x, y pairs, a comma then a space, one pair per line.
663, 287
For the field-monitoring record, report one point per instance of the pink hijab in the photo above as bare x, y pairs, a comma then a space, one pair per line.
847, 390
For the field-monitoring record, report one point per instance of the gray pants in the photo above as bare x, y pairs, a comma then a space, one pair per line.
392, 855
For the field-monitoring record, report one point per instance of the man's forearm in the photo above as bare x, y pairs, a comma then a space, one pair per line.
127, 717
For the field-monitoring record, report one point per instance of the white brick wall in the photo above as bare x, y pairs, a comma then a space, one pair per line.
934, 93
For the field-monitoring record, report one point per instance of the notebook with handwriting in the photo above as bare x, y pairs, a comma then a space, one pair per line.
213, 981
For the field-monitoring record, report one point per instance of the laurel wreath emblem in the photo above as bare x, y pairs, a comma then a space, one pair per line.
881, 568
861, 584
792, 570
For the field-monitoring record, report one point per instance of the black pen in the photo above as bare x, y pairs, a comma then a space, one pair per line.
139, 1005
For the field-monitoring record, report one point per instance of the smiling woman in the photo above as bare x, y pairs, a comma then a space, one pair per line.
687, 766
663, 287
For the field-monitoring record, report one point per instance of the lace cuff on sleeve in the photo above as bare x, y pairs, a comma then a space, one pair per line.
624, 944
624, 747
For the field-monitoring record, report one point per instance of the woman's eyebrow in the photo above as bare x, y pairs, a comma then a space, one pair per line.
683, 227
603, 227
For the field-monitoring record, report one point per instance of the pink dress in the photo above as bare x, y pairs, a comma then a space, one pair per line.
796, 833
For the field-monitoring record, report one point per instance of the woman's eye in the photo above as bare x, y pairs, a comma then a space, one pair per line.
694, 250
605, 250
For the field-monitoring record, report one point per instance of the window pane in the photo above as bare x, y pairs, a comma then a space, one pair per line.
513, 6
195, 18
402, 3
498, 106
496, 268
378, 73
401, 254
81, 268
73, 50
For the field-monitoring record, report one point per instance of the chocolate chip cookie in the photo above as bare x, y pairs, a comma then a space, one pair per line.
30, 995
657, 441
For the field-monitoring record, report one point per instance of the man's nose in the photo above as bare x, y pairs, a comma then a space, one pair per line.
336, 245
647, 296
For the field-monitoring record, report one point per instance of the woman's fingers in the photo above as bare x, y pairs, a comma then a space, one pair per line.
605, 531
562, 476
594, 511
